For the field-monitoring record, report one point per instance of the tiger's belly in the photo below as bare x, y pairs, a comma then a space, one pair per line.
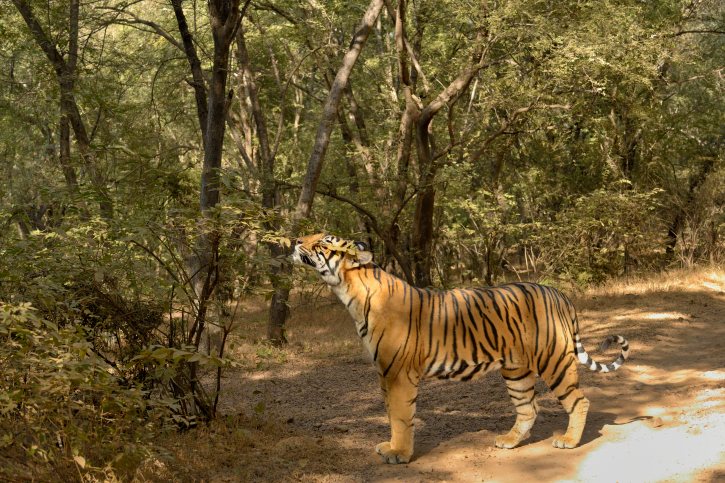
460, 370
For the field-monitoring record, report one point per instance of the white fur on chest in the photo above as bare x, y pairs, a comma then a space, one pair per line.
357, 311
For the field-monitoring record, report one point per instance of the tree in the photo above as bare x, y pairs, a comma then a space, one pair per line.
70, 113
322, 140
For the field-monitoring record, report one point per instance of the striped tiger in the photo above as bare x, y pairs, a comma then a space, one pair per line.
521, 329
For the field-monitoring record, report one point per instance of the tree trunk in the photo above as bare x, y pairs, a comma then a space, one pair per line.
425, 201
223, 15
278, 304
673, 232
675, 227
327, 122
66, 80
202, 109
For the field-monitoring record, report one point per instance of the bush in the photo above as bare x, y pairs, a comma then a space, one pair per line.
65, 412
603, 235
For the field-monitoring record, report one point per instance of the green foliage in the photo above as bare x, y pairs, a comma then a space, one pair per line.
113, 332
477, 235
63, 405
600, 236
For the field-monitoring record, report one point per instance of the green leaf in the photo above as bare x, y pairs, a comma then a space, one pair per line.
160, 353
60, 232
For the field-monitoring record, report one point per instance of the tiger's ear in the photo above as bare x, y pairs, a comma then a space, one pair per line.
363, 256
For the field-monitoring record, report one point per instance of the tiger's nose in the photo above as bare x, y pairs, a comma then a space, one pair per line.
299, 241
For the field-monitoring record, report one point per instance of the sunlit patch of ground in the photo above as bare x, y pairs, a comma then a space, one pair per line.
643, 454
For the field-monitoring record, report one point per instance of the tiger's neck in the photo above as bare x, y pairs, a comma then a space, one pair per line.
362, 291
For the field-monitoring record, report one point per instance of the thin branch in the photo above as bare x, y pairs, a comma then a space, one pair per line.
404, 265
283, 103
374, 225
699, 32
95, 126
511, 120
718, 71
531, 131
137, 20
400, 210
452, 141
307, 91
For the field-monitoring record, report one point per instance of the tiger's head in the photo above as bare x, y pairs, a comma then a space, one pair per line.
331, 256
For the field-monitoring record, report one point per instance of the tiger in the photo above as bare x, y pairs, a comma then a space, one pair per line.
411, 333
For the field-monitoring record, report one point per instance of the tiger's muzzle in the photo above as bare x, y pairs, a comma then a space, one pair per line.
302, 259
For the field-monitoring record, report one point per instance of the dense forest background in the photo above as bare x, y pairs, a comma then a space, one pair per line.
160, 157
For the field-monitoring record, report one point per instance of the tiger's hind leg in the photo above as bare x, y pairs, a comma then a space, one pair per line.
564, 383
400, 400
520, 385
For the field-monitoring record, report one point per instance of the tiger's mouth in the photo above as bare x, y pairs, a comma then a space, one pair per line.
302, 259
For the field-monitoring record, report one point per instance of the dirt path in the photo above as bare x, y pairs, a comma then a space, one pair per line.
660, 418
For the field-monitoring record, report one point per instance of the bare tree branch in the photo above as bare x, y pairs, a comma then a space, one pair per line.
139, 21
508, 123
697, 77
699, 32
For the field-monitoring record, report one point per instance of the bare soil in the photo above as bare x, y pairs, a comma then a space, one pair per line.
660, 418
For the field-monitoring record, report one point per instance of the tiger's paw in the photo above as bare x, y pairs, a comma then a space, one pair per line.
391, 456
507, 441
564, 442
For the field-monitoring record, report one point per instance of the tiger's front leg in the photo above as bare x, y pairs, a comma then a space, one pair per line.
400, 399
384, 390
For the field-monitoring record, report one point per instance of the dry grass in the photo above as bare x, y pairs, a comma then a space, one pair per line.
250, 449
673, 280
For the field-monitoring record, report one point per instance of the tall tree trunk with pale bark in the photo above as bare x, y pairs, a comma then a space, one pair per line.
278, 309
329, 112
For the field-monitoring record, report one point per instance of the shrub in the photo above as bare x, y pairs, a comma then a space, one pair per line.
65, 411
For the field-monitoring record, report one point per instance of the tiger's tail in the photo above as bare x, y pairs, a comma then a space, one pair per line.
593, 365
590, 363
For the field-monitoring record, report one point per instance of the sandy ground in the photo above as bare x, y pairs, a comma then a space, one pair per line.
660, 418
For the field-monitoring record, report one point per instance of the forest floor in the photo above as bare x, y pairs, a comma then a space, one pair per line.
660, 418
